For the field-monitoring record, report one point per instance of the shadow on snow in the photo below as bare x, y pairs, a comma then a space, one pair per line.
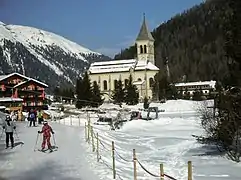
48, 170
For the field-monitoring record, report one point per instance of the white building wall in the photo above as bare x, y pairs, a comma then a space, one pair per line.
111, 77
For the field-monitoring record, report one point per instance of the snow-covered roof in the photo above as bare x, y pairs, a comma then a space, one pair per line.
2, 77
31, 79
138, 82
120, 66
2, 107
199, 83
10, 99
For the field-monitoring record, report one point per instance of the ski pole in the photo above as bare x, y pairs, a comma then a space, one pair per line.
1, 134
16, 134
54, 141
36, 142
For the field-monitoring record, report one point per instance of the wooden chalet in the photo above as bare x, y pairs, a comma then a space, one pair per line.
32, 91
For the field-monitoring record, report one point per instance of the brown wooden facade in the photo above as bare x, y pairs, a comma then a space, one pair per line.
30, 90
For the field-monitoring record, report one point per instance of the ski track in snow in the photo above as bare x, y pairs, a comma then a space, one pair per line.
68, 163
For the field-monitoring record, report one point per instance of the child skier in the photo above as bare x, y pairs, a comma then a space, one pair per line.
46, 130
9, 127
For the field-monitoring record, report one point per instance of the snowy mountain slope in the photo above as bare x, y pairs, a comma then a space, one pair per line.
43, 55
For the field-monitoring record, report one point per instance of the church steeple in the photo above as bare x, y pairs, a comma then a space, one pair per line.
145, 44
144, 33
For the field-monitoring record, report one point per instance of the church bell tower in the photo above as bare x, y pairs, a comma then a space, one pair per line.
145, 44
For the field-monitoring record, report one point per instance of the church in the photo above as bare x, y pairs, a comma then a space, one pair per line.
142, 68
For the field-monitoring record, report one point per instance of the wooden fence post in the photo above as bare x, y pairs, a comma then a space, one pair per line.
189, 170
113, 159
161, 172
97, 147
92, 137
86, 136
79, 120
88, 131
134, 163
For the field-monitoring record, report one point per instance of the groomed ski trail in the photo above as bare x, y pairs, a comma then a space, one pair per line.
67, 163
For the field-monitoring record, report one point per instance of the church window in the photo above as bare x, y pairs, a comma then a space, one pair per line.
141, 49
126, 82
151, 82
145, 50
105, 84
115, 83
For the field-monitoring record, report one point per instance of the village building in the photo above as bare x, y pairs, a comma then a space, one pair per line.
188, 88
142, 68
21, 93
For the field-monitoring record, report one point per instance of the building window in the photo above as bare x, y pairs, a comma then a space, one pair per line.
145, 50
105, 84
126, 82
115, 83
151, 82
139, 79
141, 49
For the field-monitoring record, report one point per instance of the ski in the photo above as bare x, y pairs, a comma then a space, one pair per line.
47, 150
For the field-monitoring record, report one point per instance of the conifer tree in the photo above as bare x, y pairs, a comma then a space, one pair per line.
118, 95
197, 95
96, 95
146, 103
131, 93
79, 93
87, 90
233, 42
57, 93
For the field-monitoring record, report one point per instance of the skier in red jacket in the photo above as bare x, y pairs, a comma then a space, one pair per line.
46, 130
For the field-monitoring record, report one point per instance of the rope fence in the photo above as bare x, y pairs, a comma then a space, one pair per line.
97, 144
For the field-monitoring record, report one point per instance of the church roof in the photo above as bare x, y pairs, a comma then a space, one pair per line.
120, 66
144, 33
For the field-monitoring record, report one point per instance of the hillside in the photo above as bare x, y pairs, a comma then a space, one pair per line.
43, 55
193, 43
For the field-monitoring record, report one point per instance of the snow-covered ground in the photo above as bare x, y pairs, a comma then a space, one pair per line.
166, 140
68, 163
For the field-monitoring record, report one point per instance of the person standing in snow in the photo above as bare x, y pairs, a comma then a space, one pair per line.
40, 117
31, 117
46, 130
13, 116
9, 127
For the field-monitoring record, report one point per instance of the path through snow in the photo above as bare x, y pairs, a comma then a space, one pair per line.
68, 163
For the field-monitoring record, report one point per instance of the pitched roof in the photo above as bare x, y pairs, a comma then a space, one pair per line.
120, 66
31, 79
144, 33
2, 77
200, 83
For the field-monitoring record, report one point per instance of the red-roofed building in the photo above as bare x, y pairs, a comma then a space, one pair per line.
16, 85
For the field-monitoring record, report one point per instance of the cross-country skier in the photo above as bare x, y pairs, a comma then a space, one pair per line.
46, 130
9, 127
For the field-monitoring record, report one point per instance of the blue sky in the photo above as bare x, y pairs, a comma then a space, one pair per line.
106, 26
